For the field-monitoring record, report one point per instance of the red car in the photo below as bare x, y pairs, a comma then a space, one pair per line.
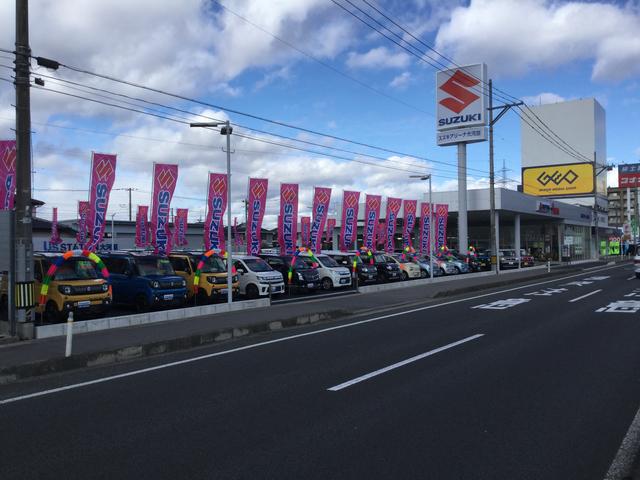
525, 259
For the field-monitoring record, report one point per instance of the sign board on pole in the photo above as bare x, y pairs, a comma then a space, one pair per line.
462, 135
558, 180
460, 99
629, 175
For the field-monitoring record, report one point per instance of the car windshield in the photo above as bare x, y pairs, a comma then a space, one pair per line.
257, 265
328, 261
380, 259
154, 266
509, 253
302, 263
213, 264
401, 260
76, 269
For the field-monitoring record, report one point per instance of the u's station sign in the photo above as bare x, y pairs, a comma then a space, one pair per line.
629, 175
558, 180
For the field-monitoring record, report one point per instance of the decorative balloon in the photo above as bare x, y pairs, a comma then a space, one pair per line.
214, 251
296, 254
408, 249
55, 264
366, 251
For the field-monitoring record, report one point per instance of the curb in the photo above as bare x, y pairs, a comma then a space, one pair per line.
107, 357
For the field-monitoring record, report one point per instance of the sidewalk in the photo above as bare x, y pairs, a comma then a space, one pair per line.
39, 357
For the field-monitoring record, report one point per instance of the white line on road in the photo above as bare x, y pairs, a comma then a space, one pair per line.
623, 462
402, 363
631, 278
585, 296
283, 339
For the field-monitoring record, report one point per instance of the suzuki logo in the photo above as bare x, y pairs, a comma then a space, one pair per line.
258, 189
351, 200
322, 197
9, 158
288, 195
557, 178
457, 86
394, 206
104, 169
442, 211
166, 179
373, 203
219, 185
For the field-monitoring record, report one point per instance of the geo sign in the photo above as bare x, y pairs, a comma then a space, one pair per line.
558, 180
459, 97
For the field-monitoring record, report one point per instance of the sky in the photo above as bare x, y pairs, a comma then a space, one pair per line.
309, 64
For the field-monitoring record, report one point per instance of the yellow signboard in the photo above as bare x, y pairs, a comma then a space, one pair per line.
558, 180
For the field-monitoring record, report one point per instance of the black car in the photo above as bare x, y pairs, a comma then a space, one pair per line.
304, 277
367, 273
388, 270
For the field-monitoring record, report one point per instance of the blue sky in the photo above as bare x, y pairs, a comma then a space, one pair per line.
537, 50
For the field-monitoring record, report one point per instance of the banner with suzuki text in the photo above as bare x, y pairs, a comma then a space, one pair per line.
442, 213
103, 174
349, 228
425, 228
165, 178
216, 206
142, 226
288, 218
257, 206
305, 230
410, 207
83, 215
7, 174
371, 217
321, 199
393, 208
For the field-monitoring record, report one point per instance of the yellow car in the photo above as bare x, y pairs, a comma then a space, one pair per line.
213, 276
408, 268
76, 287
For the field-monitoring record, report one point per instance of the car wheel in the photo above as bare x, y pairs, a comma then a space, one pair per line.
458, 271
423, 274
51, 314
327, 284
141, 304
252, 291
405, 276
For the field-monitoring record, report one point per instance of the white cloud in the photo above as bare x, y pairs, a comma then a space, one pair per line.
379, 57
516, 36
544, 98
401, 81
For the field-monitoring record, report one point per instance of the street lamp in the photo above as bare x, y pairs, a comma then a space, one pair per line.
225, 130
428, 177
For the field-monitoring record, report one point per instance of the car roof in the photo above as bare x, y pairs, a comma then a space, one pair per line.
246, 257
133, 253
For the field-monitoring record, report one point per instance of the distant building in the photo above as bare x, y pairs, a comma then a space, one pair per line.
618, 205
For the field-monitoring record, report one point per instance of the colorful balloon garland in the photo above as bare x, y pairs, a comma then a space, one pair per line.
408, 249
55, 264
298, 251
203, 258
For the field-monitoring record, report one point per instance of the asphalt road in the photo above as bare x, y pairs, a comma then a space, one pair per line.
540, 382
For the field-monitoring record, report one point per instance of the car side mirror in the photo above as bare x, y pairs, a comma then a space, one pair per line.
241, 271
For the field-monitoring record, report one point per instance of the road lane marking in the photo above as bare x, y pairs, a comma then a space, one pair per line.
624, 459
402, 363
283, 339
631, 278
585, 296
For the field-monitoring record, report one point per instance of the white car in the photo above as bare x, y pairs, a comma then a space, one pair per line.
636, 265
255, 276
332, 275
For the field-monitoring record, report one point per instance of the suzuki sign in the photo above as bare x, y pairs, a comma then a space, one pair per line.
459, 97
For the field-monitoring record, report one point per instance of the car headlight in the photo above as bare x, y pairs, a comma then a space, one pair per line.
105, 287
389, 267
184, 282
300, 277
65, 289
154, 284
212, 280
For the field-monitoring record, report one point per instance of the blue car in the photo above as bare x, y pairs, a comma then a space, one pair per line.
144, 280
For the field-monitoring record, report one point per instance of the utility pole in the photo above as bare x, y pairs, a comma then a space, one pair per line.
130, 202
492, 198
23, 225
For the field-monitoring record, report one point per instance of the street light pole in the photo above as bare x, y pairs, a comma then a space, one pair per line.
225, 130
428, 177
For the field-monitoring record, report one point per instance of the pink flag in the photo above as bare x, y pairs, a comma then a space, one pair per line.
442, 213
7, 173
410, 207
55, 236
165, 177
83, 215
321, 198
331, 225
180, 226
216, 206
288, 218
371, 216
257, 206
349, 228
425, 229
381, 233
142, 226
103, 174
305, 230
393, 207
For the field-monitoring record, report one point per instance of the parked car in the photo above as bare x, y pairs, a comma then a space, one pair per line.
388, 269
332, 274
144, 280
256, 276
304, 277
458, 263
76, 287
212, 285
483, 260
367, 273
526, 260
445, 267
508, 259
410, 270
423, 263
